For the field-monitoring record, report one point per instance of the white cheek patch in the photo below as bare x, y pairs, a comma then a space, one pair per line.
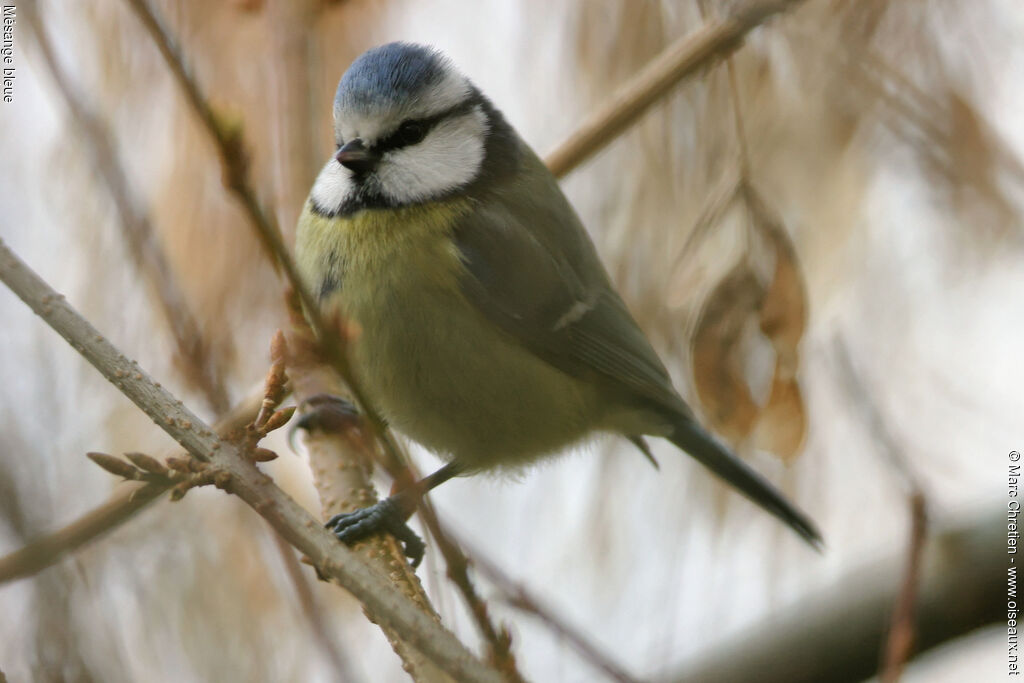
449, 157
332, 187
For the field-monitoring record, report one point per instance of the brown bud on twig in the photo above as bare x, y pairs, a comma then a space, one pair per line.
178, 464
263, 455
115, 466
179, 491
147, 463
279, 419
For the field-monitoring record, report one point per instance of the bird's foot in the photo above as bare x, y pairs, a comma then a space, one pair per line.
389, 516
325, 412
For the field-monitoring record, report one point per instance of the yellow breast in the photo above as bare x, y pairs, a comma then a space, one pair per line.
426, 358
338, 256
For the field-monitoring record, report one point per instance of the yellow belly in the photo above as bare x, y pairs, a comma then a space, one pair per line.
434, 366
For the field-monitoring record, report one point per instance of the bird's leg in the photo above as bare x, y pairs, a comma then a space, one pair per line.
390, 515
333, 414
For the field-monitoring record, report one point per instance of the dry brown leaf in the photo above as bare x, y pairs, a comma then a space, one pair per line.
718, 358
782, 424
739, 304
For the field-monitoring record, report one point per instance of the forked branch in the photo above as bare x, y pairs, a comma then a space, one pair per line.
241, 477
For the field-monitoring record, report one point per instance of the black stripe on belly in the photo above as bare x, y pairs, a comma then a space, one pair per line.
328, 286
332, 278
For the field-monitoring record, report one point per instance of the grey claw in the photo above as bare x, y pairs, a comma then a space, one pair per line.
385, 516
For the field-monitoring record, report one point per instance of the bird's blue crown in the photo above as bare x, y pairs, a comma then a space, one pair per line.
396, 72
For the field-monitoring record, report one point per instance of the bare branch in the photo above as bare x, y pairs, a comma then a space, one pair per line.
519, 597
684, 58
386, 604
498, 639
228, 140
47, 550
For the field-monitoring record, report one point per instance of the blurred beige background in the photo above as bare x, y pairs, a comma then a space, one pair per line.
885, 137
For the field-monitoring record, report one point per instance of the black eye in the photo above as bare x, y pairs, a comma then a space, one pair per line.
409, 133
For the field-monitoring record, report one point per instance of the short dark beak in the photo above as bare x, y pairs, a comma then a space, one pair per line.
355, 157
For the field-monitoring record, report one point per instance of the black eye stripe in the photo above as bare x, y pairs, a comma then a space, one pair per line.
399, 139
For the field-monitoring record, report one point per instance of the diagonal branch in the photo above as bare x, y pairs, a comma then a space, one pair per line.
341, 452
239, 476
498, 638
521, 598
682, 59
47, 550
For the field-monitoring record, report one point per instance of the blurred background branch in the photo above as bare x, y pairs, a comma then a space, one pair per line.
684, 58
901, 634
837, 633
147, 255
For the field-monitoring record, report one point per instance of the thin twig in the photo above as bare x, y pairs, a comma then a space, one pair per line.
227, 136
47, 550
498, 639
519, 597
241, 477
682, 59
137, 231
230, 145
717, 201
734, 92
900, 642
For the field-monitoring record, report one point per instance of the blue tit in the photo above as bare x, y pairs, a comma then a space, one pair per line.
488, 329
